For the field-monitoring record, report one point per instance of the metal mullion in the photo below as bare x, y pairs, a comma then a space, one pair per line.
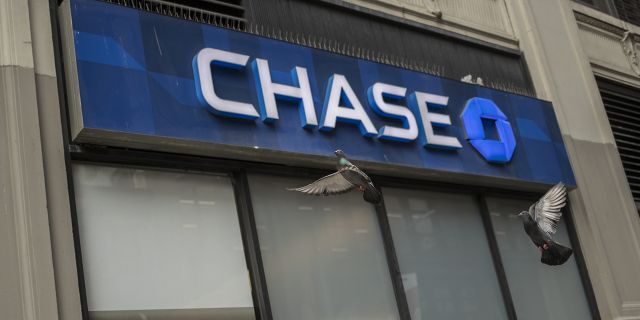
401, 183
392, 262
497, 260
66, 134
457, 188
580, 262
250, 240
150, 159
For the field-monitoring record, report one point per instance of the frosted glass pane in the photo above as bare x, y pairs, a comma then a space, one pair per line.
160, 240
323, 256
444, 256
539, 291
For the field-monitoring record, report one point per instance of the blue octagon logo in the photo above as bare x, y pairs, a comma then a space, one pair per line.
495, 151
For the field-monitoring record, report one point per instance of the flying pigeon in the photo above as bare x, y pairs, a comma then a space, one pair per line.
347, 177
541, 222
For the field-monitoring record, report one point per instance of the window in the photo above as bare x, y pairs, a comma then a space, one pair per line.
158, 243
605, 6
628, 10
538, 291
444, 256
323, 256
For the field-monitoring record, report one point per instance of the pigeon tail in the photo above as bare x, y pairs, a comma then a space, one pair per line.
371, 194
556, 254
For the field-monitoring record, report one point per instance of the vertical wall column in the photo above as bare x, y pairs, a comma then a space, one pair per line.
605, 216
32, 173
26, 281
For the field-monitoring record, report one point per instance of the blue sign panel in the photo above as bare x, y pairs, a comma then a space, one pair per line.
150, 75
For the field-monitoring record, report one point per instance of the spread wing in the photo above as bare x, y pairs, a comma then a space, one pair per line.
548, 208
334, 183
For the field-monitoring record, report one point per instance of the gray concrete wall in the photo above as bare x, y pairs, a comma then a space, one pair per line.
34, 209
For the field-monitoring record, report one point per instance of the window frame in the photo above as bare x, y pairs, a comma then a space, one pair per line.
117, 165
174, 163
238, 172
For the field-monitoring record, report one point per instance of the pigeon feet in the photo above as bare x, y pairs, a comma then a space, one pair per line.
544, 247
361, 188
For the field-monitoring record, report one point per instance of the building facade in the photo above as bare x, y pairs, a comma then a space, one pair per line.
147, 147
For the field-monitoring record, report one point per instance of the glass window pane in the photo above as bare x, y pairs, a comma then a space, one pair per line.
323, 256
444, 256
539, 291
154, 240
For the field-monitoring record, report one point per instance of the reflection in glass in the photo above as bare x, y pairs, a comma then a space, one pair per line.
160, 244
539, 291
323, 256
444, 256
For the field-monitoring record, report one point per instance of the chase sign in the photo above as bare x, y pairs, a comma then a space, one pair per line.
151, 81
341, 104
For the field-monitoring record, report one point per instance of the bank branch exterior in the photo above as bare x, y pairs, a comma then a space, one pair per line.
164, 170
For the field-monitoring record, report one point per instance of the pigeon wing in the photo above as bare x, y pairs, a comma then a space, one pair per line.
334, 183
548, 208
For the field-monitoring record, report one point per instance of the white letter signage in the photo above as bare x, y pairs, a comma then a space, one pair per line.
421, 100
338, 89
205, 91
268, 91
376, 95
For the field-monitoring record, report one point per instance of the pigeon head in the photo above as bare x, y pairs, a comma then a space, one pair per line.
523, 214
339, 153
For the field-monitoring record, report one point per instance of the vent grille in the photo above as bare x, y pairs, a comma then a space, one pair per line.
623, 110
225, 13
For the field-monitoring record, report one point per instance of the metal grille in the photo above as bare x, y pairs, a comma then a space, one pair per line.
319, 24
340, 27
628, 10
622, 105
224, 13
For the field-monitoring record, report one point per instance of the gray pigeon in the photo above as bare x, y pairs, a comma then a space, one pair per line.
541, 222
347, 177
